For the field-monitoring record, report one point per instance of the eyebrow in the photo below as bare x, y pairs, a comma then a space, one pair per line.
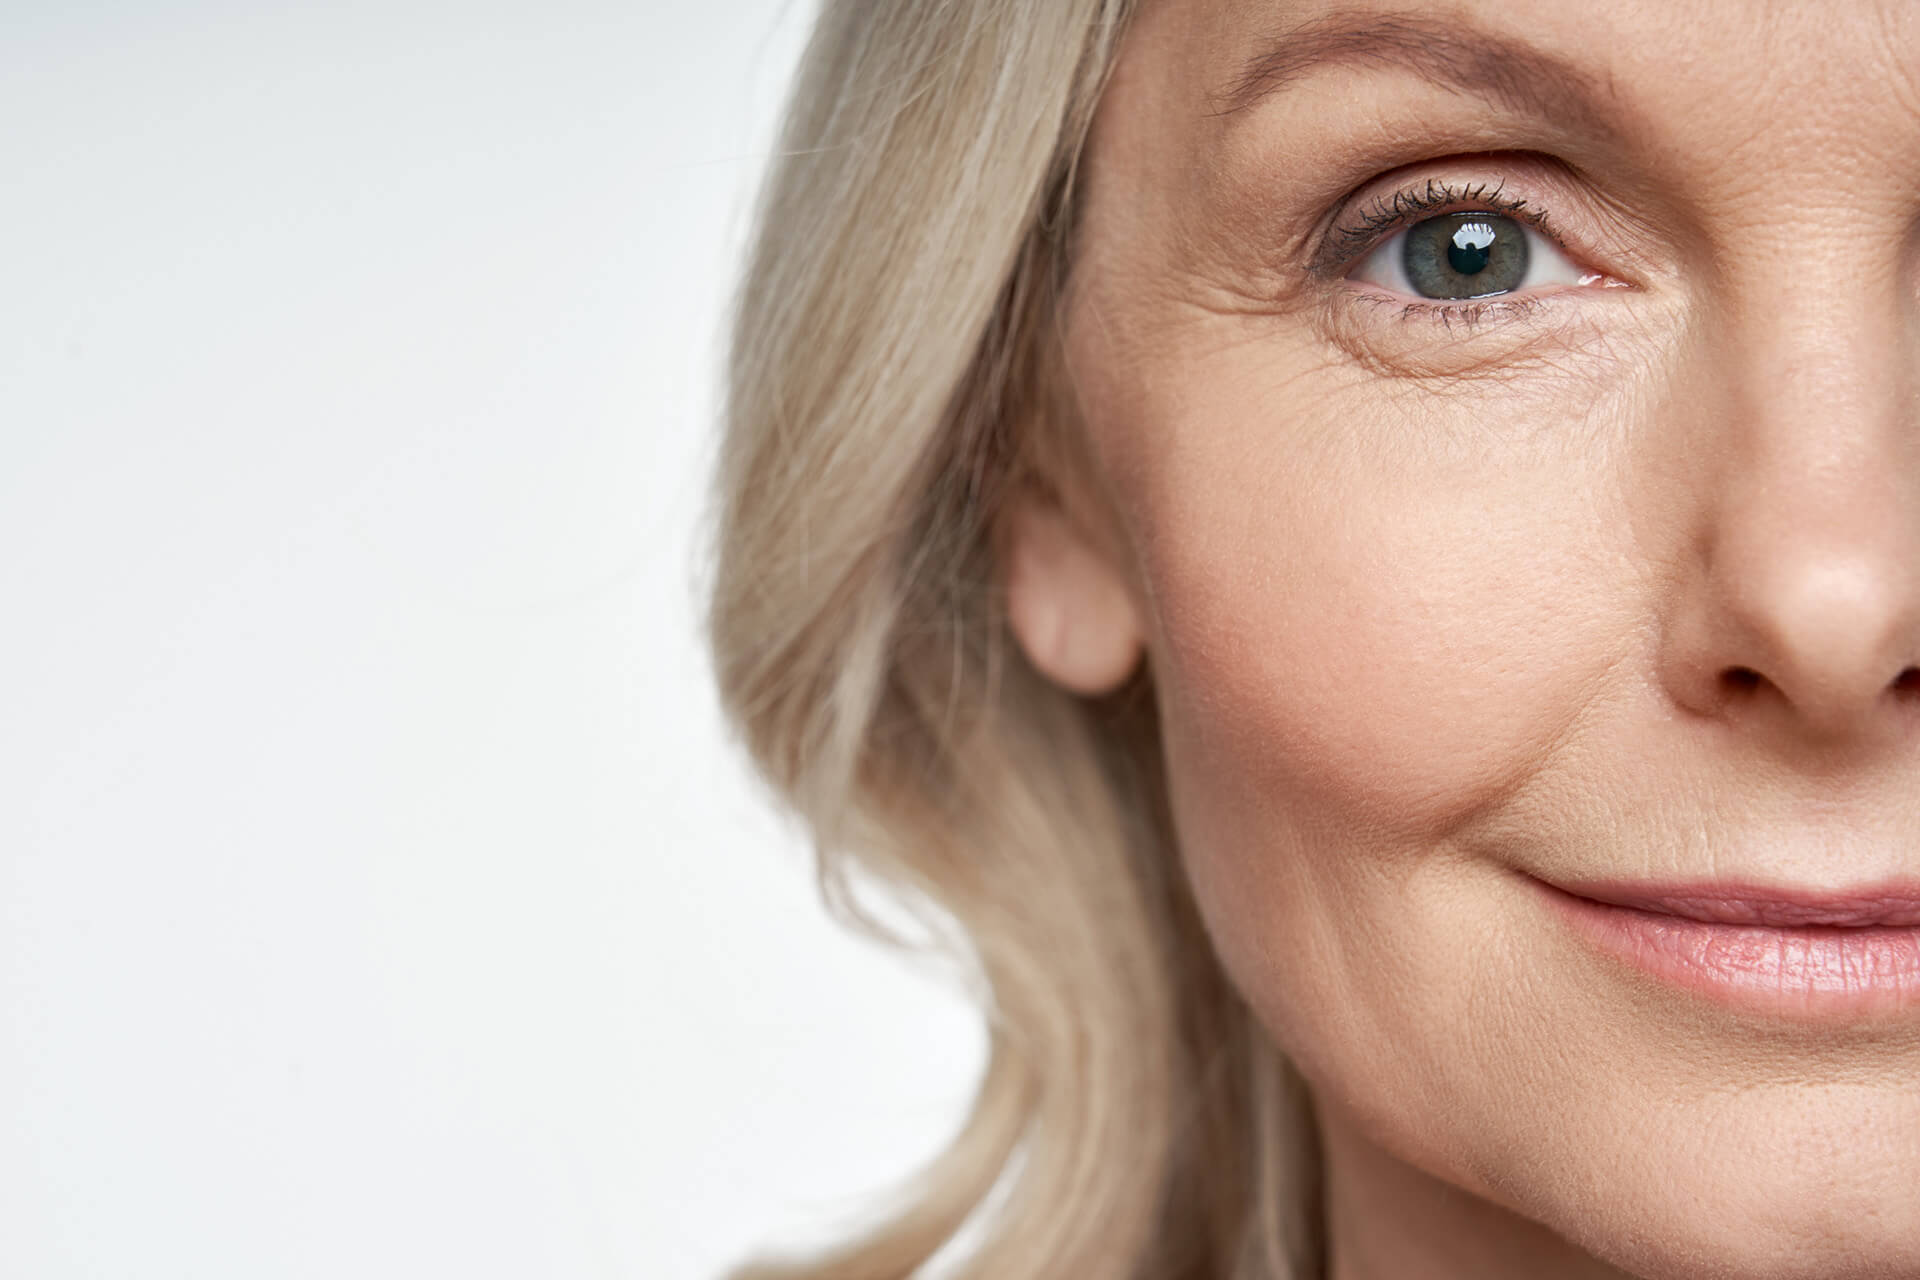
1450, 54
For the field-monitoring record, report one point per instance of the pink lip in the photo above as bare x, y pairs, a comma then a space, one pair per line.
1802, 954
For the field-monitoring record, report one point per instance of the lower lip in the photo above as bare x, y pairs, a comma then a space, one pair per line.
1816, 972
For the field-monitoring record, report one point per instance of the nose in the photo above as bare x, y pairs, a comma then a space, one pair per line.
1798, 613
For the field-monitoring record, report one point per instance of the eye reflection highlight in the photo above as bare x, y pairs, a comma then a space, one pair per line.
1470, 248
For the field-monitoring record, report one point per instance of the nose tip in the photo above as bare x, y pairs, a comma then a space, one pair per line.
1802, 616
1828, 638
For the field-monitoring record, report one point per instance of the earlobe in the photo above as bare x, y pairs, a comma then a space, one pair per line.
1068, 605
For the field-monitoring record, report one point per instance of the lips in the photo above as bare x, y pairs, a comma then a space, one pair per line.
1804, 954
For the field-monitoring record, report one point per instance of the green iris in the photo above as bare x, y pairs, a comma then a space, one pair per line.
1465, 255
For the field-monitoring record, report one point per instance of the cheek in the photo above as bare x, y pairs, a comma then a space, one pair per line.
1362, 644
1382, 651
1357, 652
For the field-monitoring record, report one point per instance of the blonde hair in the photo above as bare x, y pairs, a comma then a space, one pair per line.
892, 365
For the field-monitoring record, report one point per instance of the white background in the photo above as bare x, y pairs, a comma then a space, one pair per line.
379, 894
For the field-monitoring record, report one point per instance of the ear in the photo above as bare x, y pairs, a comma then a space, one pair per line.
1067, 603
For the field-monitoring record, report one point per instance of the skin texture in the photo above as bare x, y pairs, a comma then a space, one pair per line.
1621, 583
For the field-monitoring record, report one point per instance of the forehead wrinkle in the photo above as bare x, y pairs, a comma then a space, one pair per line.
1450, 53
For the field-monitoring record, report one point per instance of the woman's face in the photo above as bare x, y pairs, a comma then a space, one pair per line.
1489, 566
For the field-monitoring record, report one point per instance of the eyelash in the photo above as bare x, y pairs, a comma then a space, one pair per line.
1351, 240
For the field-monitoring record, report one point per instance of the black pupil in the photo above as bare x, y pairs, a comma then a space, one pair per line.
1470, 248
1465, 255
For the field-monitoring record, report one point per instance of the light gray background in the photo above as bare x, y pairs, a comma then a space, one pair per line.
379, 896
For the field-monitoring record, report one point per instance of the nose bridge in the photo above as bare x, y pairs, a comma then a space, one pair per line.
1823, 430
1809, 600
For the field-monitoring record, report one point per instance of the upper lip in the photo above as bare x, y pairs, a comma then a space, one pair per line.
1891, 905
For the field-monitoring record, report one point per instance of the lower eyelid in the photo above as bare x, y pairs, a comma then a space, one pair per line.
1398, 338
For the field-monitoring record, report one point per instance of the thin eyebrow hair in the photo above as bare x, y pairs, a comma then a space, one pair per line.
1453, 54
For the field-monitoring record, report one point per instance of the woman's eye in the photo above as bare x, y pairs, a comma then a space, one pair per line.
1465, 255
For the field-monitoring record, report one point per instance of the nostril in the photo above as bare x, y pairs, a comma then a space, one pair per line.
1740, 679
1908, 681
